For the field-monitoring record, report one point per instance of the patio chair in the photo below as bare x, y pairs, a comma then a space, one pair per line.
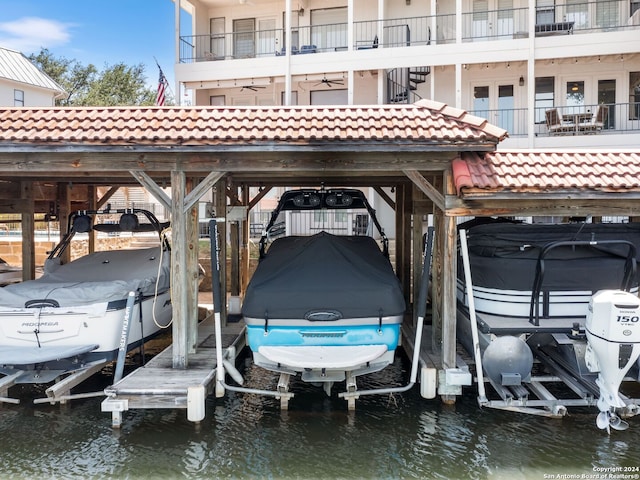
596, 124
556, 125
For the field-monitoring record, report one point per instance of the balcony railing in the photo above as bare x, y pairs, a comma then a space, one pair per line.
620, 118
485, 25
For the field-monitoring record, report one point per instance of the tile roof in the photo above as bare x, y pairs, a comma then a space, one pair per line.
540, 171
15, 66
425, 123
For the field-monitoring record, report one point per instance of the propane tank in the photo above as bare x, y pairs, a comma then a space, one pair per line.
613, 345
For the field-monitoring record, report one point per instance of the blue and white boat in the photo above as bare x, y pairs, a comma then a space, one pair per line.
327, 307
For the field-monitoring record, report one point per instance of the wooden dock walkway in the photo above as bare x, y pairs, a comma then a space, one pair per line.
434, 378
158, 385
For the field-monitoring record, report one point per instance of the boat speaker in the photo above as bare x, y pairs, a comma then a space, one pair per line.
508, 361
82, 224
129, 222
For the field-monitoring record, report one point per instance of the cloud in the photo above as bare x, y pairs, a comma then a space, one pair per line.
30, 34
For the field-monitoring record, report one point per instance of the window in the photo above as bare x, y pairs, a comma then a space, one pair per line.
340, 216
18, 98
575, 96
545, 12
216, 100
329, 28
544, 97
634, 95
578, 12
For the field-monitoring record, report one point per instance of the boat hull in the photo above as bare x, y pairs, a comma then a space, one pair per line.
50, 341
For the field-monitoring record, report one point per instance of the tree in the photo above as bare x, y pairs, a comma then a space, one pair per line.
86, 86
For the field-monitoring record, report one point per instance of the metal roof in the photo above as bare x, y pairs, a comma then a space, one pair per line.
16, 67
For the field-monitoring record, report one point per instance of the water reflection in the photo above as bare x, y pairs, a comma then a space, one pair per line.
247, 436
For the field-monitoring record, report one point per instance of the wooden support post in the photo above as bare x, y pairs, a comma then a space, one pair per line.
220, 197
64, 209
417, 250
28, 232
234, 241
191, 217
244, 244
449, 286
179, 280
437, 275
407, 237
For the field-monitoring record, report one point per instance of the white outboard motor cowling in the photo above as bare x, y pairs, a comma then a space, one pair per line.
613, 346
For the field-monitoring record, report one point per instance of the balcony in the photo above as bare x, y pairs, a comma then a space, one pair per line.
485, 25
621, 118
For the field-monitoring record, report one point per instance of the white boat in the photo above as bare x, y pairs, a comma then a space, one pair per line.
72, 317
327, 307
534, 294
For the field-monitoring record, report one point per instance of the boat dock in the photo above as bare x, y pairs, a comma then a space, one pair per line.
158, 385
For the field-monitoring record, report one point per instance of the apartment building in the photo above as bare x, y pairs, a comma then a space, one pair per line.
553, 73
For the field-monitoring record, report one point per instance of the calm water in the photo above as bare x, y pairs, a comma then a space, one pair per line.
245, 436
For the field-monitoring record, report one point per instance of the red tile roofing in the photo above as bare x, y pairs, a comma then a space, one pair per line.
539, 171
423, 123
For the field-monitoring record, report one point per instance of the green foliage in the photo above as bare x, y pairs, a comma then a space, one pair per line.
86, 86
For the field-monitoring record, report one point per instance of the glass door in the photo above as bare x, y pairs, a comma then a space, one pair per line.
607, 97
267, 36
496, 103
244, 38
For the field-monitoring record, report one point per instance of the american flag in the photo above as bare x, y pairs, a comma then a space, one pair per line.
162, 86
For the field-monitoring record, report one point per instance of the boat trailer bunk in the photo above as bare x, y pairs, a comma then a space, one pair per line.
545, 365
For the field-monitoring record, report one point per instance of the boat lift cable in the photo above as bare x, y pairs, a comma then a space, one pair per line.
482, 395
163, 236
421, 311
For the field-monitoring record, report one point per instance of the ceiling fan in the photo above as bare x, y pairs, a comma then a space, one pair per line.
328, 82
253, 88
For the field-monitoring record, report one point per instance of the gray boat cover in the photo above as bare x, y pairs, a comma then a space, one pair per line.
504, 255
323, 272
98, 277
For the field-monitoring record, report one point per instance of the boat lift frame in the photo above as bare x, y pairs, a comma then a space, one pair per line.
516, 397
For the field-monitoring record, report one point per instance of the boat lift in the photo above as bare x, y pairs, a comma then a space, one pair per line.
224, 365
60, 391
561, 354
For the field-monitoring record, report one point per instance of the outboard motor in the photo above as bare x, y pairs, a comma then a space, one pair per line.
613, 346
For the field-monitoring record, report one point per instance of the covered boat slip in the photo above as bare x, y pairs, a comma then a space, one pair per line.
411, 155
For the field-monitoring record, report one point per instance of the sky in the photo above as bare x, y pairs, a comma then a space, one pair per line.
98, 32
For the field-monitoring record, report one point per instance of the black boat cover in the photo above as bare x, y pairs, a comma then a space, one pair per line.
301, 275
504, 255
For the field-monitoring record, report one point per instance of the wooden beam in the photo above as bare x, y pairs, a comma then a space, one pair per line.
385, 197
261, 193
179, 280
64, 210
105, 198
436, 197
28, 233
147, 182
203, 187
